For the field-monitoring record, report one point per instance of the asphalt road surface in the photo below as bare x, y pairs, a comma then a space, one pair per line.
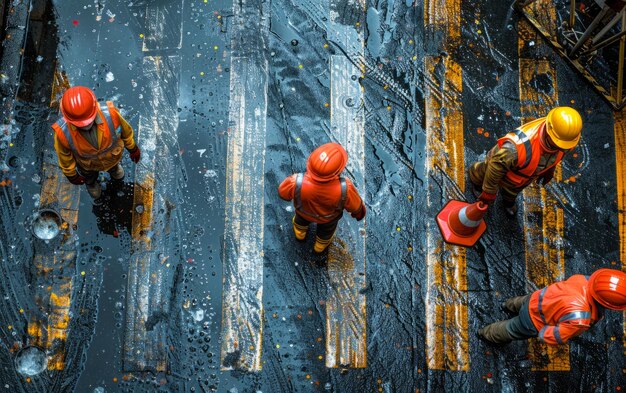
187, 278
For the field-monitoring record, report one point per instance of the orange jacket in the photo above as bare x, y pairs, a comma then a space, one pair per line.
527, 141
321, 198
564, 310
72, 148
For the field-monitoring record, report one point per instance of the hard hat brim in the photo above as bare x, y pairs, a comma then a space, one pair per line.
561, 144
82, 123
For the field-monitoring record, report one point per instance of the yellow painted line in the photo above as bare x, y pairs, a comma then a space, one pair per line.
444, 15
543, 216
620, 170
242, 294
447, 345
54, 271
143, 197
60, 83
346, 310
58, 321
35, 333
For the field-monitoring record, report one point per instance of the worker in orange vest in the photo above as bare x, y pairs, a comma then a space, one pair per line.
87, 139
320, 195
560, 311
530, 153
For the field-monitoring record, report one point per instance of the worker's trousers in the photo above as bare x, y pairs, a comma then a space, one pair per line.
325, 231
117, 172
520, 327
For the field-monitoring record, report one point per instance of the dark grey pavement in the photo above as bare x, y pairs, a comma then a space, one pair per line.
103, 45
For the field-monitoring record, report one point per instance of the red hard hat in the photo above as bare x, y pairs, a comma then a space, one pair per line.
327, 162
79, 106
608, 287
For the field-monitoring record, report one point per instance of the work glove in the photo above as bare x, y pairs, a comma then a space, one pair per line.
77, 179
135, 154
487, 198
545, 178
359, 214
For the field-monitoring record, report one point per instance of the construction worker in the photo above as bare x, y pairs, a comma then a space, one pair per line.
560, 311
320, 195
530, 153
87, 140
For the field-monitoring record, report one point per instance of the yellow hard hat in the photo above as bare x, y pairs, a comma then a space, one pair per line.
564, 125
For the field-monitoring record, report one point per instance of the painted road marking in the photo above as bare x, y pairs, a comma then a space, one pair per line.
447, 346
543, 216
620, 167
346, 333
145, 335
164, 27
149, 279
55, 262
242, 302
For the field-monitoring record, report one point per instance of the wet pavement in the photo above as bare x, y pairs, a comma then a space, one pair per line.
147, 269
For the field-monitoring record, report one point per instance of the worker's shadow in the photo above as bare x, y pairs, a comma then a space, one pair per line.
114, 212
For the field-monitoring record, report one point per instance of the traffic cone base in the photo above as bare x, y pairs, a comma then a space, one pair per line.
449, 235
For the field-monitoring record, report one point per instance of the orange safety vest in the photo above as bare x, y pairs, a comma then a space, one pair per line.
88, 157
528, 145
564, 310
297, 199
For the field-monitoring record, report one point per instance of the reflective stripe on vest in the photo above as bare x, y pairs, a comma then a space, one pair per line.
557, 335
298, 199
526, 140
62, 124
521, 135
543, 292
575, 315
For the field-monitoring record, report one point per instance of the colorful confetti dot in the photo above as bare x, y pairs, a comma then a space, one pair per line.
75, 22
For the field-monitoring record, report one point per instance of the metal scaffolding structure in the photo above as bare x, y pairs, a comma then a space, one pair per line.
589, 43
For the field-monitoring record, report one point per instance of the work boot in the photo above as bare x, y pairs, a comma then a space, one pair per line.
513, 305
117, 172
321, 244
510, 208
299, 230
95, 190
495, 333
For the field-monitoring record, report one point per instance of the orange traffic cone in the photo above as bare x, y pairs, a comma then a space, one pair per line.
462, 223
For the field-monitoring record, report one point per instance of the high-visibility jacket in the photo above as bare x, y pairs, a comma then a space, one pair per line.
320, 202
73, 149
564, 310
527, 141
